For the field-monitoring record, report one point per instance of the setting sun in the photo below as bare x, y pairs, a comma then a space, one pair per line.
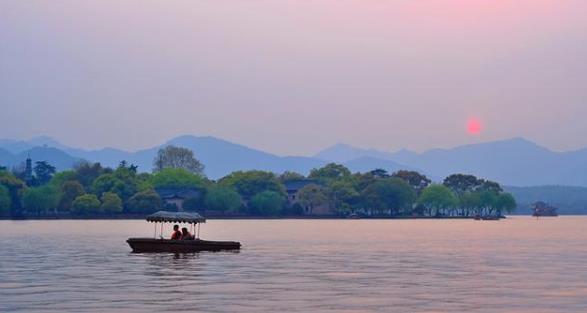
474, 126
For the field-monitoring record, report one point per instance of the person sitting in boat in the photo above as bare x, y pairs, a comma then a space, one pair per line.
185, 234
176, 233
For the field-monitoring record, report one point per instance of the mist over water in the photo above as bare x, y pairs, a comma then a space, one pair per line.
515, 265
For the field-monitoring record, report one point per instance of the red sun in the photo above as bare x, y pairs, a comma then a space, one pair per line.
474, 126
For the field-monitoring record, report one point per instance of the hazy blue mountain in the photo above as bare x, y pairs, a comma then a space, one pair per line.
107, 157
569, 200
17, 146
54, 156
6, 158
513, 162
366, 164
341, 153
220, 157
516, 162
403, 156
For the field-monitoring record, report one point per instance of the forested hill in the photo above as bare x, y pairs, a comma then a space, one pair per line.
569, 200
513, 162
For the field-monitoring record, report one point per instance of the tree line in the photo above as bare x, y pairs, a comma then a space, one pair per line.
90, 189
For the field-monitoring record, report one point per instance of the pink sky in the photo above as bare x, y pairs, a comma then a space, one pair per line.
292, 77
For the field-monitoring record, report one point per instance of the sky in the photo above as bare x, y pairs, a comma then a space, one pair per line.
293, 77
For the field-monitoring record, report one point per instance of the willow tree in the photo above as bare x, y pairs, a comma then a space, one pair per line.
505, 203
177, 157
438, 199
390, 194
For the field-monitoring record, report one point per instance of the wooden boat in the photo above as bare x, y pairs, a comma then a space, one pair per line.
177, 246
141, 245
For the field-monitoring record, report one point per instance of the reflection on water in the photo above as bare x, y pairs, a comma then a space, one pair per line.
516, 265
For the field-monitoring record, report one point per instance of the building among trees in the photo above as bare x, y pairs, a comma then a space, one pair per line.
293, 186
177, 197
310, 195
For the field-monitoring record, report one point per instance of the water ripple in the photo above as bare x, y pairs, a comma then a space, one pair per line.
518, 265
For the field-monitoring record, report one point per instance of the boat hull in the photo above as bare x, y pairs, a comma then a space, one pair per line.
144, 245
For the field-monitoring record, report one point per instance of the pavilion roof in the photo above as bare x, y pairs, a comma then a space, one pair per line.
176, 217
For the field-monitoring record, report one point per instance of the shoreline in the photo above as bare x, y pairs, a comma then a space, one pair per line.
142, 217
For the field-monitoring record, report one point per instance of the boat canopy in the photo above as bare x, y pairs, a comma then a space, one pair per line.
176, 217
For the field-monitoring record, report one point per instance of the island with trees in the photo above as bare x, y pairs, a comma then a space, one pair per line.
177, 182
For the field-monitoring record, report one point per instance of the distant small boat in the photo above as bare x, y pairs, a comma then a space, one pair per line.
542, 209
140, 245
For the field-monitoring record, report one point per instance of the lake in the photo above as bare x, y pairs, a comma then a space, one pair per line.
516, 265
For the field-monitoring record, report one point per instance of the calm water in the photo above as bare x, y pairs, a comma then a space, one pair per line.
516, 265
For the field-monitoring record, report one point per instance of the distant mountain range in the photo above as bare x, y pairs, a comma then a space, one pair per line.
513, 162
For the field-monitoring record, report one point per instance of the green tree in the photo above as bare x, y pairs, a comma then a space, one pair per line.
128, 176
177, 157
487, 185
250, 183
131, 168
87, 204
61, 178
15, 188
460, 183
488, 200
267, 203
437, 198
329, 172
342, 195
288, 176
123, 181
379, 173
176, 178
392, 194
416, 180
40, 200
144, 181
5, 202
505, 202
311, 196
223, 199
111, 203
69, 191
108, 183
44, 171
86, 173
469, 202
360, 181
147, 201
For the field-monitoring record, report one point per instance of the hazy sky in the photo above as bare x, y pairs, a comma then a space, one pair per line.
292, 77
